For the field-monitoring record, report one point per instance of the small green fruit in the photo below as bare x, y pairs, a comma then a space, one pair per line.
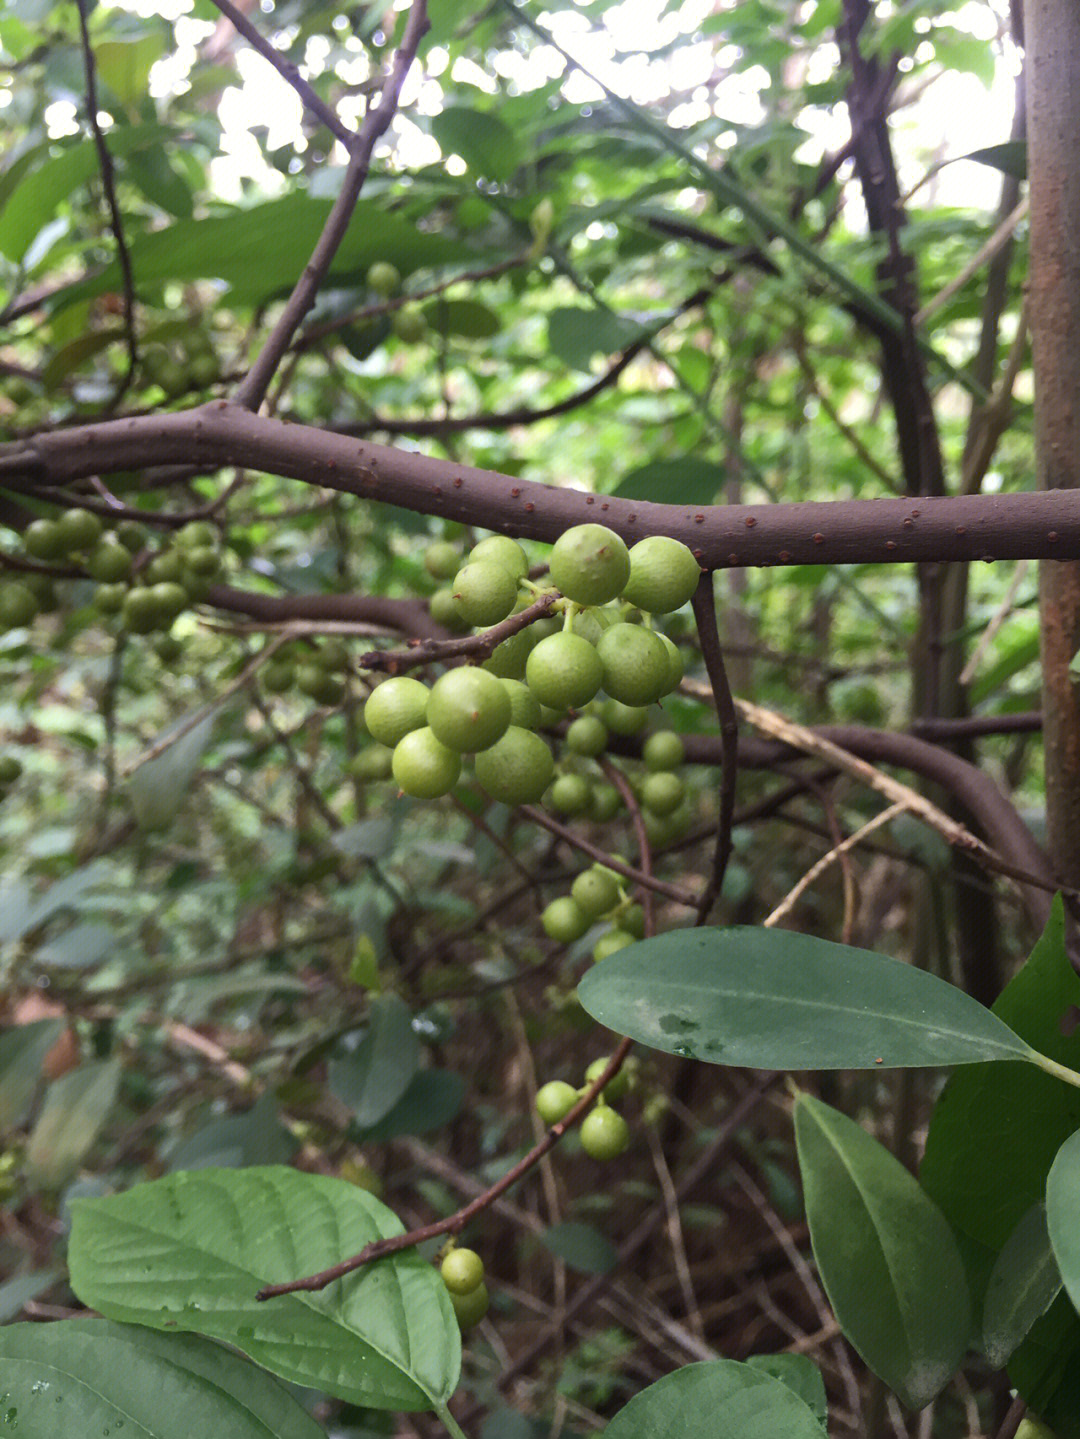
595, 891
610, 943
395, 708
569, 795
374, 763
109, 562
663, 575
508, 659
587, 736
79, 529
109, 599
18, 606
423, 767
675, 662
319, 684
409, 325
564, 670
589, 564
485, 592
525, 710
468, 710
604, 802
605, 1134
470, 1308
446, 611
624, 719
663, 750
517, 768
278, 676
442, 560
501, 550
462, 1271
10, 769
555, 1100
44, 540
663, 792
563, 921
384, 278
616, 1088
635, 664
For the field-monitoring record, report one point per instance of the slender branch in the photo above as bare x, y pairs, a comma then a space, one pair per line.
614, 775
638, 876
704, 605
116, 220
787, 904
480, 647
289, 72
253, 387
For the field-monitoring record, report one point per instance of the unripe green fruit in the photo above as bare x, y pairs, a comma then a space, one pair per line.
663, 792
320, 685
10, 769
374, 763
171, 599
1030, 1428
396, 708
508, 659
635, 663
544, 626
166, 567
462, 1271
663, 750
591, 624
610, 943
468, 710
587, 736
555, 1100
446, 611
563, 921
43, 590
109, 562
140, 612
524, 706
616, 1088
605, 1134
563, 670
664, 829
333, 654
168, 648
18, 606
278, 676
624, 719
383, 278
663, 575
79, 529
485, 593
604, 802
469, 1309
203, 370
197, 535
517, 768
202, 560
109, 599
442, 560
131, 535
196, 586
409, 325
675, 662
503, 551
550, 717
589, 564
423, 767
632, 921
595, 891
44, 540
569, 795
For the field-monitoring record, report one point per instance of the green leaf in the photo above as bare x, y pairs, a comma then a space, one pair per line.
1063, 1214
87, 1376
161, 182
158, 788
798, 1373
235, 1140
886, 1255
432, 1099
685, 481
17, 1292
769, 999
376, 1075
1011, 157
582, 1247
739, 1400
576, 334
125, 65
486, 144
467, 318
191, 1251
1024, 1282
75, 1109
23, 1048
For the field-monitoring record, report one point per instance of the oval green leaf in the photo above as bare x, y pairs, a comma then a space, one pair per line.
375, 1076
191, 1251
769, 999
886, 1255
1063, 1214
740, 1400
1023, 1284
75, 1109
87, 1376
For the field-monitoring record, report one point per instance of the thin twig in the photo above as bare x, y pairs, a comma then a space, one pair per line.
116, 220
252, 388
704, 605
646, 881
615, 776
1001, 236
967, 674
787, 904
480, 647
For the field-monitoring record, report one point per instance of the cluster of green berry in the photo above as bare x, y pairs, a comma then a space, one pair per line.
408, 323
539, 673
462, 1272
319, 671
192, 365
596, 894
604, 1132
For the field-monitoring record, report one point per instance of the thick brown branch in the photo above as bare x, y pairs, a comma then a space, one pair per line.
408, 617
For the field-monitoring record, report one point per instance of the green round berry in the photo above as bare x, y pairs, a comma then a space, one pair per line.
168, 648
10, 769
605, 1134
663, 792
462, 1271
569, 795
109, 562
442, 560
485, 592
396, 708
663, 750
517, 768
446, 611
635, 664
79, 529
202, 560
44, 540
166, 567
203, 370
508, 659
197, 535
140, 612
610, 943
675, 662
595, 891
555, 1100
663, 575
131, 535
503, 551
409, 325
333, 654
587, 736
524, 706
171, 599
373, 763
383, 278
468, 710
549, 717
563, 921
424, 767
109, 599
591, 624
604, 802
469, 1309
321, 685
589, 564
616, 1088
278, 676
623, 719
43, 590
632, 920
563, 670
18, 606
664, 829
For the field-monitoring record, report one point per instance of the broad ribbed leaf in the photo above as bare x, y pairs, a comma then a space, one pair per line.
1063, 1214
887, 1257
1023, 1284
191, 1251
721, 1397
86, 1376
768, 999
